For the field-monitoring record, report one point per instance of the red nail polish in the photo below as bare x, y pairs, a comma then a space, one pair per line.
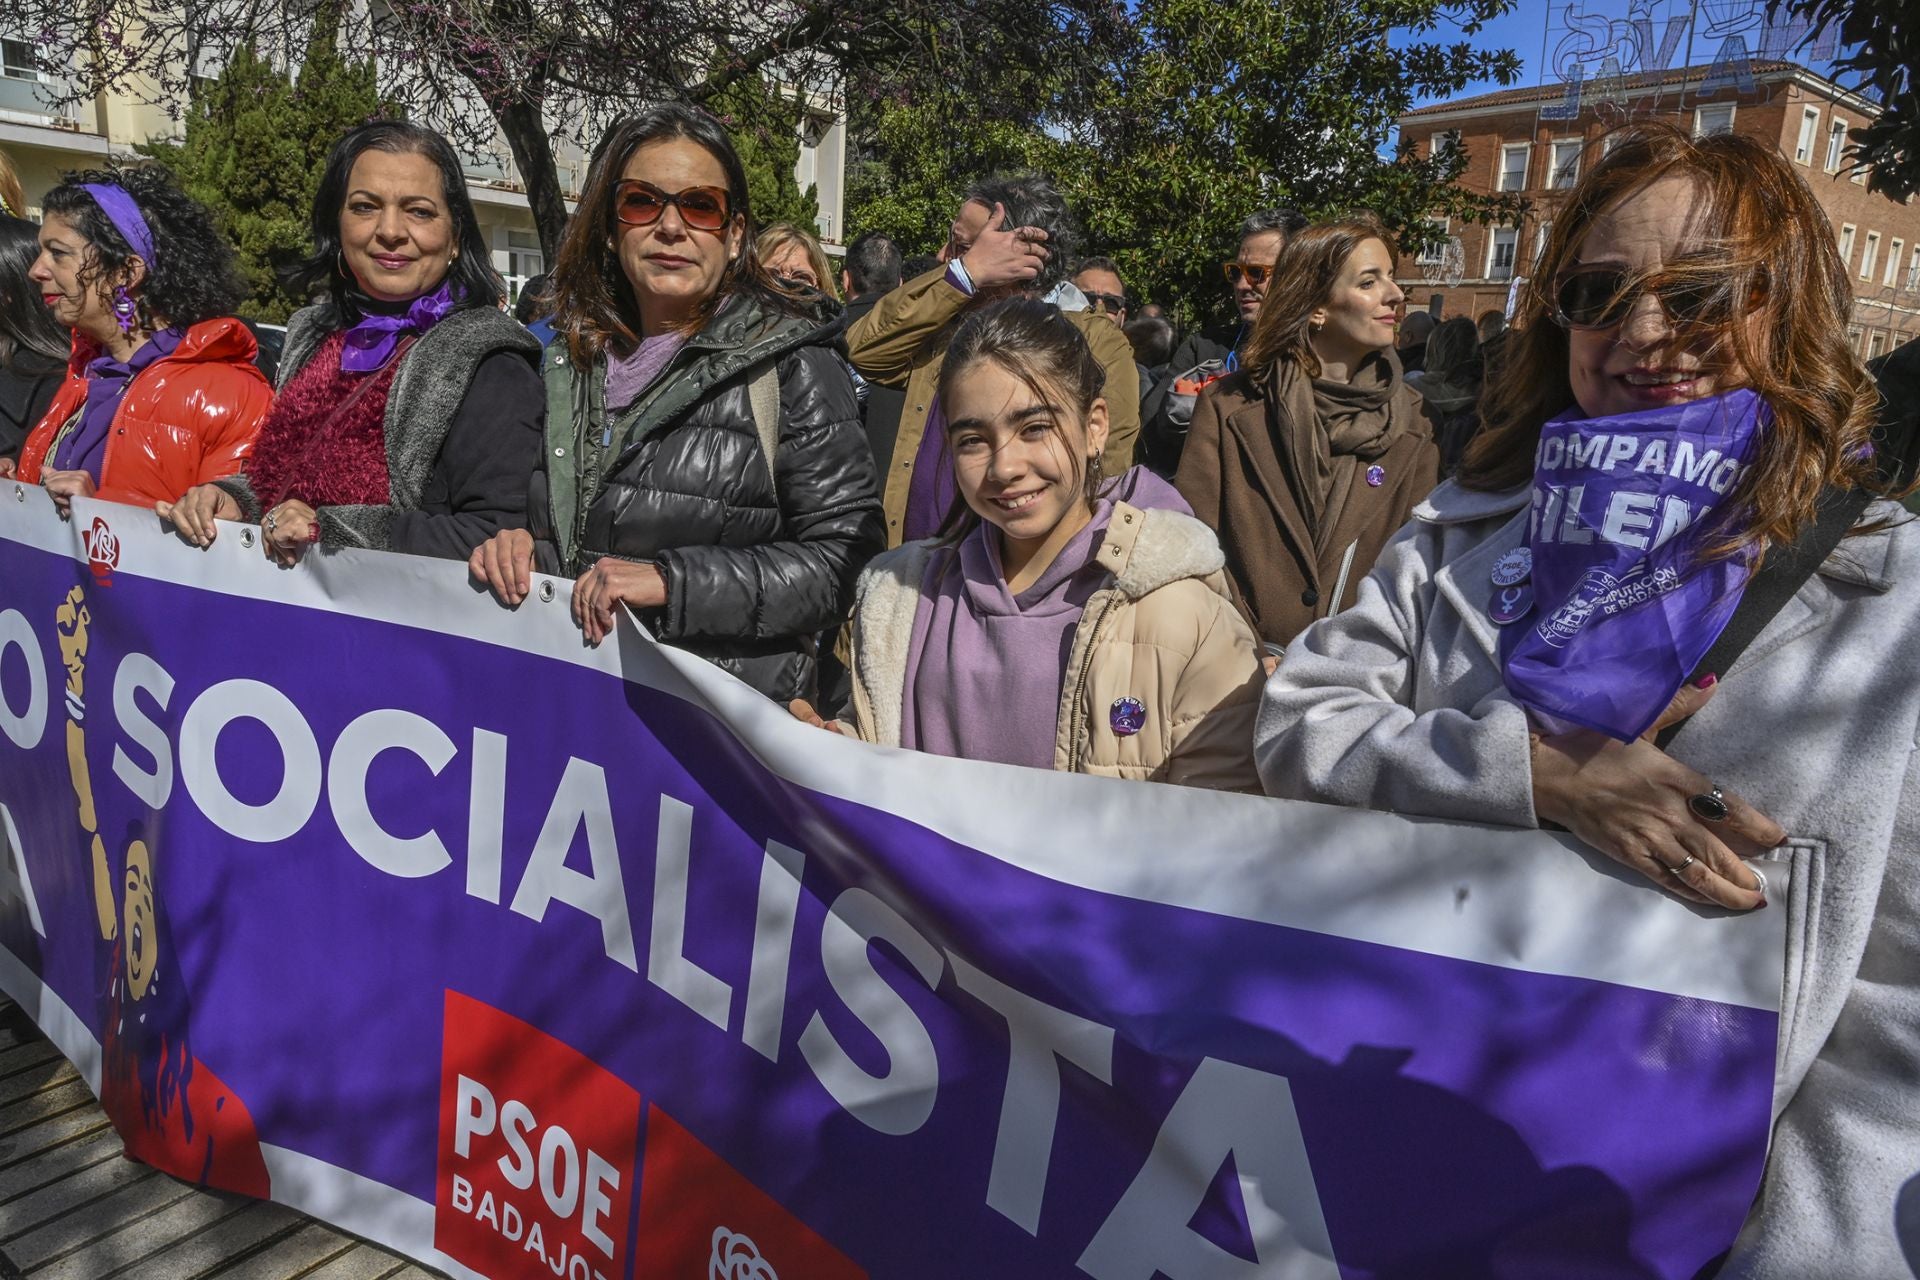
1762, 906
1707, 681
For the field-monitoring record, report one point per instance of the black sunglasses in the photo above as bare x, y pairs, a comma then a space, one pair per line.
641, 204
1109, 303
1603, 297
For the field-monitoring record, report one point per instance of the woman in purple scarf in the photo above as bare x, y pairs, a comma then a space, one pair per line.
410, 409
1678, 402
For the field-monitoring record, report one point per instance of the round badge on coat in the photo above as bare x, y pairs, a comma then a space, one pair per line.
1510, 604
1128, 716
1376, 475
1513, 568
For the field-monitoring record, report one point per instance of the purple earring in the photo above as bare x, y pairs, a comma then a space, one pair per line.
124, 309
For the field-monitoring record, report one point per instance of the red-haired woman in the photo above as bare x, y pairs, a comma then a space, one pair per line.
1678, 404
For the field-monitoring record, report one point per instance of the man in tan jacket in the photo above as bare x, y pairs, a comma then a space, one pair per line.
1010, 235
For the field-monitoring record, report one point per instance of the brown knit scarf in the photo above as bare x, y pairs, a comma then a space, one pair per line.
1319, 420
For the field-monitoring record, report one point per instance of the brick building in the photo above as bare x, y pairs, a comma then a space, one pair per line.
1510, 147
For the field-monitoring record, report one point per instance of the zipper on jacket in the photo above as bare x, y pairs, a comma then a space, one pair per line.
1081, 730
1340, 584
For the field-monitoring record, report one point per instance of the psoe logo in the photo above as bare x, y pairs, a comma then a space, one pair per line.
103, 551
735, 1257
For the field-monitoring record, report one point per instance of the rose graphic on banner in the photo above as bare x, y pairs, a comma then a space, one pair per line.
737, 1258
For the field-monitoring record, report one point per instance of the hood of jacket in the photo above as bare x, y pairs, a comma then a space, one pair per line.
221, 338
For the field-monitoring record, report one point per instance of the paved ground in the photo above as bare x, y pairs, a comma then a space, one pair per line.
73, 1208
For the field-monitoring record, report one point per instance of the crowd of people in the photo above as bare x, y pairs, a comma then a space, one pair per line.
990, 504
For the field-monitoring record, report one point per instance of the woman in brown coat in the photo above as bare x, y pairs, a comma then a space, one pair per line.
1308, 459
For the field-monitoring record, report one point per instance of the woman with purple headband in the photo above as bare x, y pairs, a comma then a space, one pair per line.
410, 409
1666, 607
160, 393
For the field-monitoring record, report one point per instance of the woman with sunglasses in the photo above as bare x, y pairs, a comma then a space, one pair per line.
1678, 403
1310, 457
705, 461
410, 408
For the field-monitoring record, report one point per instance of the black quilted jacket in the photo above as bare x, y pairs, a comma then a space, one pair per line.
752, 580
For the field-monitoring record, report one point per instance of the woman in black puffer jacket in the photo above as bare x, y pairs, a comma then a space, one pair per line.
705, 460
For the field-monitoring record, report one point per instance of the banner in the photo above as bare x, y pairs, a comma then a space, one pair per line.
345, 886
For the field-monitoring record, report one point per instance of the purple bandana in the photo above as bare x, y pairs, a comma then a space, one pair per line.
371, 340
1623, 607
124, 214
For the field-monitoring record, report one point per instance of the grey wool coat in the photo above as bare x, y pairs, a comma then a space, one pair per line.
1398, 704
463, 427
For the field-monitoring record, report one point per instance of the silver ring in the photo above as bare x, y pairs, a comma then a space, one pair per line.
1676, 870
1710, 805
272, 521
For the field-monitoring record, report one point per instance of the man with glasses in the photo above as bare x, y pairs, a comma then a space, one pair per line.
1010, 236
1213, 353
1099, 280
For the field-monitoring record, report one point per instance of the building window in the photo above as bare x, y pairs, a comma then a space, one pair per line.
1500, 251
1870, 255
1836, 144
1711, 119
1853, 337
1913, 269
1893, 263
18, 61
1442, 140
1566, 164
1609, 141
524, 261
1846, 245
1540, 242
1809, 135
1513, 167
1437, 252
1876, 344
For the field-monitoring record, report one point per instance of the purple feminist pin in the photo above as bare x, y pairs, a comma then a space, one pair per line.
1510, 604
1128, 716
1376, 475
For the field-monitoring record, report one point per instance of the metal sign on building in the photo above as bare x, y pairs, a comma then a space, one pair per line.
1594, 49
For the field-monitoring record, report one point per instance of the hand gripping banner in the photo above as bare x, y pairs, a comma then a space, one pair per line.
345, 886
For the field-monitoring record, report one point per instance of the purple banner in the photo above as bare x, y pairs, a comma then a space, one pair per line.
532, 960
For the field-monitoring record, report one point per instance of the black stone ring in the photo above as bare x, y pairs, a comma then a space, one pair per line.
1709, 805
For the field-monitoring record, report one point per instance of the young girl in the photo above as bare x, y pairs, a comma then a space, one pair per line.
1053, 624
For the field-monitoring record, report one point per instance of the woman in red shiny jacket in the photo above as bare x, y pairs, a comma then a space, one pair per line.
161, 392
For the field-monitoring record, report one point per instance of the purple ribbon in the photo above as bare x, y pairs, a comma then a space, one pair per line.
1624, 606
124, 214
371, 340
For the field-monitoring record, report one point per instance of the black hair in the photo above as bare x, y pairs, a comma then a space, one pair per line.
323, 272
592, 301
26, 326
1031, 200
918, 265
873, 264
1452, 346
193, 277
1036, 343
1285, 219
535, 301
1152, 340
1098, 263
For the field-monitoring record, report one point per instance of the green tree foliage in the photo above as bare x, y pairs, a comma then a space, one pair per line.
1210, 110
256, 142
766, 131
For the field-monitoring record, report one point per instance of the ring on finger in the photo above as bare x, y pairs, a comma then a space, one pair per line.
1710, 805
1678, 867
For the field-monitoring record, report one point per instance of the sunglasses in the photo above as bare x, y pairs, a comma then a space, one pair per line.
641, 204
1603, 297
1110, 303
1255, 273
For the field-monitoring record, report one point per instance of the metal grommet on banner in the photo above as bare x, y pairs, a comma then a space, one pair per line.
19, 493
246, 538
546, 593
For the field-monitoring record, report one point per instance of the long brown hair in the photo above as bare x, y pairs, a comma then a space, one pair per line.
592, 302
1773, 246
1303, 280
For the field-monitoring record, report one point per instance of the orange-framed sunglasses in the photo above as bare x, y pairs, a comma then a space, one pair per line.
1256, 275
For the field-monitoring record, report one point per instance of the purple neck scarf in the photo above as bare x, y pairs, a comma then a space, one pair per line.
371, 339
84, 448
1623, 607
